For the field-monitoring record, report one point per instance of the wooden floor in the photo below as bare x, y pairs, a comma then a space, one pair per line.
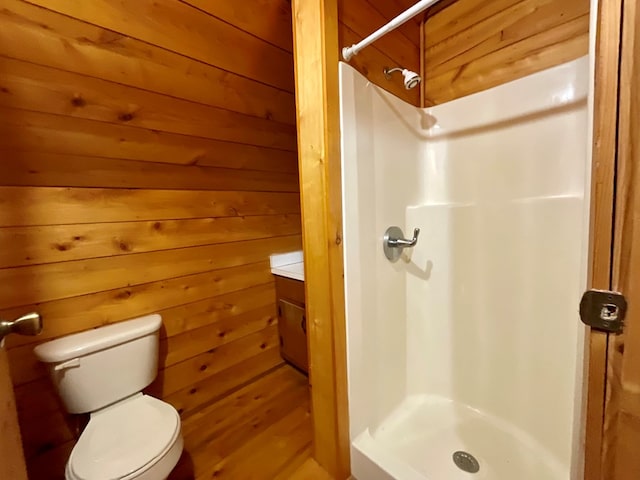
310, 470
260, 432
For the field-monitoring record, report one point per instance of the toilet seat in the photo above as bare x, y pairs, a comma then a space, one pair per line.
124, 440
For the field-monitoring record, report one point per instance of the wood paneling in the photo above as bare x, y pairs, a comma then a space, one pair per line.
472, 45
226, 330
179, 27
56, 281
31, 87
46, 38
68, 206
266, 19
147, 164
55, 170
358, 19
101, 308
362, 18
192, 398
392, 8
27, 131
55, 243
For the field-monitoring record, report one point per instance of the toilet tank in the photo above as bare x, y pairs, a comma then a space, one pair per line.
96, 368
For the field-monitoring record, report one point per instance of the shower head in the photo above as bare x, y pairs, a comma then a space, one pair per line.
411, 79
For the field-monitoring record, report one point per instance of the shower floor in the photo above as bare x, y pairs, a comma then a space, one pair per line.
417, 442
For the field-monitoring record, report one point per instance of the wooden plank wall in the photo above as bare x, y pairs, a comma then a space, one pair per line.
473, 45
359, 18
147, 164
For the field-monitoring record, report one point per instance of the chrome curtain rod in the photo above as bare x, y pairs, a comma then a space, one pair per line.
349, 52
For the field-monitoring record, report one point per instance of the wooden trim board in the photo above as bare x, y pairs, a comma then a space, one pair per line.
316, 73
601, 228
621, 432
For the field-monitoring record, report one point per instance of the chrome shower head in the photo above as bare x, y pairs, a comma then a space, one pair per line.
411, 79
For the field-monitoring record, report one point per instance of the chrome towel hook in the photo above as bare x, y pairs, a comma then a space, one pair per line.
394, 242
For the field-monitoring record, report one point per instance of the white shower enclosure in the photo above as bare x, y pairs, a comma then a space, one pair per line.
466, 355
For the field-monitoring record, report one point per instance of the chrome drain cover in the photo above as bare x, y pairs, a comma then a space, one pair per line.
466, 462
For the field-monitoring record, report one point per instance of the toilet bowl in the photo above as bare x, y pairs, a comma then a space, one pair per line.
130, 435
137, 438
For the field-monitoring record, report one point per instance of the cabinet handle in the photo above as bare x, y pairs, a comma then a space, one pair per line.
303, 324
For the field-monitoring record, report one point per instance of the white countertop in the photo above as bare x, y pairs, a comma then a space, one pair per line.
290, 265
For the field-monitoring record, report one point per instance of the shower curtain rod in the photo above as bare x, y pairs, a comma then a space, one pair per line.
349, 52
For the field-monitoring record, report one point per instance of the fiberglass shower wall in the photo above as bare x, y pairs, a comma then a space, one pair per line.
483, 312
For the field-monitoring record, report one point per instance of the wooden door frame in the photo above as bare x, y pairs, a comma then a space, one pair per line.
622, 402
316, 68
603, 189
13, 467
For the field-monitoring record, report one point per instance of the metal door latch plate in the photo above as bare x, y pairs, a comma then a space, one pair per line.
603, 310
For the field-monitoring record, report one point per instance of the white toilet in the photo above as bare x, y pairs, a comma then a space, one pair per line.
103, 371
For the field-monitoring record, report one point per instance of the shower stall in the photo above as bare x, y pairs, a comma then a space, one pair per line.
465, 356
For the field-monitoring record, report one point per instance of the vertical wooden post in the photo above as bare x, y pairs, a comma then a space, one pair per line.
315, 26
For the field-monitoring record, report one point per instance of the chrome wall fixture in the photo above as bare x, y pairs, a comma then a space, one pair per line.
411, 79
394, 242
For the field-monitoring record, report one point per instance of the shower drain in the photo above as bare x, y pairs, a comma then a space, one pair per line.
466, 462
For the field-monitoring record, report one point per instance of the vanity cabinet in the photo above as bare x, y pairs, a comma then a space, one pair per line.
292, 321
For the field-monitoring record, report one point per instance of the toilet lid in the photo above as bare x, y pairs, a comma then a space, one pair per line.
124, 438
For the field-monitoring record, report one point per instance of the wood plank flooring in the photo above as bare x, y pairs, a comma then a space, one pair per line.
310, 470
260, 432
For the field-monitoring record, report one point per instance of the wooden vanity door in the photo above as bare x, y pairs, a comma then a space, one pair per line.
292, 325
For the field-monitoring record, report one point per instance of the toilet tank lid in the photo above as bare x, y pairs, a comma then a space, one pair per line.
90, 341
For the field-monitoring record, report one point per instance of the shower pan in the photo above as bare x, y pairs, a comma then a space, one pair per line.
465, 355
